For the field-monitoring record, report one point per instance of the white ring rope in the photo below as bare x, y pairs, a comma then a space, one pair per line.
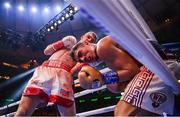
76, 95
83, 114
97, 111
113, 15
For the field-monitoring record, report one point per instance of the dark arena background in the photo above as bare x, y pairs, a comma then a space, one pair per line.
28, 26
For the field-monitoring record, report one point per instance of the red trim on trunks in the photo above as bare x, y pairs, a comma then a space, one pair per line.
32, 91
57, 64
61, 101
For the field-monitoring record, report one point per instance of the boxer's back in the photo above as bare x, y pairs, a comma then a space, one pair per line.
63, 56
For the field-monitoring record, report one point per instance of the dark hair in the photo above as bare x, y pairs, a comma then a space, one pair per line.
159, 49
74, 48
94, 35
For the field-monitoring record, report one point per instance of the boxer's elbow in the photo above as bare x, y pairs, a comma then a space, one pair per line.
48, 51
133, 71
128, 74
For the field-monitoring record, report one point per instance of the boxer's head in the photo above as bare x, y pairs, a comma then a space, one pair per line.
84, 52
90, 37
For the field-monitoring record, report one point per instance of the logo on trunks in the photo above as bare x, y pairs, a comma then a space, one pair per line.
64, 93
157, 98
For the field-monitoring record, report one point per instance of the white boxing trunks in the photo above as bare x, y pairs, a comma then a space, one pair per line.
174, 66
150, 93
53, 83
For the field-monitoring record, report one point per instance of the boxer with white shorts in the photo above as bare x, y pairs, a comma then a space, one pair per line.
51, 81
145, 94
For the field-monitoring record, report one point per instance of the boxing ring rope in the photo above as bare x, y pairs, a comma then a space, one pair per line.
112, 15
97, 111
87, 113
131, 38
76, 95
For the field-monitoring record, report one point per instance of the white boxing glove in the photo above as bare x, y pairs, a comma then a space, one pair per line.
69, 41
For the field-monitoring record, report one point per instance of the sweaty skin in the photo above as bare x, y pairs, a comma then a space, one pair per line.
114, 56
117, 58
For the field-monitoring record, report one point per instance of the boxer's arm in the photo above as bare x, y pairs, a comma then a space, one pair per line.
117, 58
67, 42
77, 67
50, 49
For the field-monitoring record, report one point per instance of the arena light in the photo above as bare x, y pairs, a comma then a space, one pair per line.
34, 9
17, 78
58, 8
46, 9
20, 8
55, 24
9, 100
5, 77
7, 5
94, 100
118, 97
71, 11
82, 101
75, 9
67, 15
48, 29
107, 98
62, 18
10, 65
52, 27
59, 22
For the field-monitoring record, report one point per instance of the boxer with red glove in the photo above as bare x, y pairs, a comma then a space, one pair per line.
67, 42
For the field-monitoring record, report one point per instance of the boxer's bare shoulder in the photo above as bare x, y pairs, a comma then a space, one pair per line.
110, 54
114, 55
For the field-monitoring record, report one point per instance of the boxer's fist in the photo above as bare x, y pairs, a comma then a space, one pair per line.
90, 78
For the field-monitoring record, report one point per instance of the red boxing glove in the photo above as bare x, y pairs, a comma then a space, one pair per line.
67, 42
57, 45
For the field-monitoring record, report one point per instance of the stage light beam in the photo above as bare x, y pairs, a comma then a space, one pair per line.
58, 8
62, 18
17, 78
7, 5
46, 10
59, 21
71, 11
75, 8
20, 8
67, 15
48, 29
34, 9
52, 27
55, 24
